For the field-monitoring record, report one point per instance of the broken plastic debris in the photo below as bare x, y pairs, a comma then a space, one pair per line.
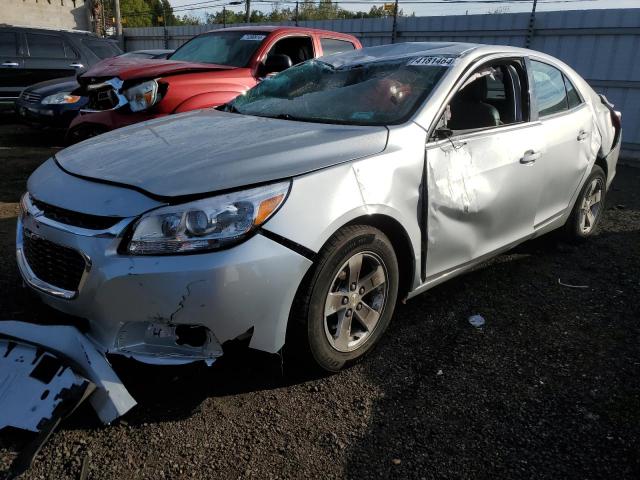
476, 321
46, 371
571, 286
439, 372
37, 391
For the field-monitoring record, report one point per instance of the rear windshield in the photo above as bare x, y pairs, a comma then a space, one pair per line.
102, 48
375, 93
233, 49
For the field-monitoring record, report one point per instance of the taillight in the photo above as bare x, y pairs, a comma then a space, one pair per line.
616, 119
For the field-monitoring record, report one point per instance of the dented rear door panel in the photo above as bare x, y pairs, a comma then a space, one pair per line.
572, 141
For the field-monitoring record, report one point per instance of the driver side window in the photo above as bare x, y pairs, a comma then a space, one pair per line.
492, 96
298, 49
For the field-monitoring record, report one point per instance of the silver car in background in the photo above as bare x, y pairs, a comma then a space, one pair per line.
304, 209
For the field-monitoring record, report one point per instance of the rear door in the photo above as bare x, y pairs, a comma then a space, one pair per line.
567, 125
335, 45
49, 56
13, 77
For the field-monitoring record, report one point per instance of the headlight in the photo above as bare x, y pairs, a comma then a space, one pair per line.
61, 98
142, 96
206, 224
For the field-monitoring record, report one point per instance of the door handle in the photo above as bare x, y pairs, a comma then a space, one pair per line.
76, 65
10, 64
530, 156
582, 135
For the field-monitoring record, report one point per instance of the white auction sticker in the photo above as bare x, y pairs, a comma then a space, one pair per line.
255, 38
433, 61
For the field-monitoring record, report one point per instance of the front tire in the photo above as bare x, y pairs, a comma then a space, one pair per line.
346, 302
587, 211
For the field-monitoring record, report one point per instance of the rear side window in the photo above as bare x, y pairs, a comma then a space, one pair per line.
572, 94
102, 49
550, 91
8, 44
47, 46
331, 46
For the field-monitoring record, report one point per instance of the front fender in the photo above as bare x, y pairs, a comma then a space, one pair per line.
321, 203
388, 184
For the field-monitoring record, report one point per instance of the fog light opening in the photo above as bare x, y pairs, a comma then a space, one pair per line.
191, 335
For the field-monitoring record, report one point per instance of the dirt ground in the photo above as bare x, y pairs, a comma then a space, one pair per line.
548, 389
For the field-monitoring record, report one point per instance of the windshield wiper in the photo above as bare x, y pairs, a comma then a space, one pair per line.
228, 107
286, 116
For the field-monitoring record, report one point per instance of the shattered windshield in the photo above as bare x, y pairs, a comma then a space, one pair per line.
373, 93
234, 48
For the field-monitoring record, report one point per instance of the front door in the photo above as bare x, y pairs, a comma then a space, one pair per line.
483, 179
50, 56
13, 78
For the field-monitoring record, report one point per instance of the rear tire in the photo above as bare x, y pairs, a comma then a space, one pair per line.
345, 303
589, 207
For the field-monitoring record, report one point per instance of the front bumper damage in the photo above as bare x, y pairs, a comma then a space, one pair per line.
46, 372
168, 310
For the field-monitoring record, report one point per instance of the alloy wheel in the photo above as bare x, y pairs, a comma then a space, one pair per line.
355, 301
591, 206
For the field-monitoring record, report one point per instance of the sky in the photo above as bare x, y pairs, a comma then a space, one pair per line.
462, 8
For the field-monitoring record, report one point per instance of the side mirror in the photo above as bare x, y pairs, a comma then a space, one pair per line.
276, 63
443, 133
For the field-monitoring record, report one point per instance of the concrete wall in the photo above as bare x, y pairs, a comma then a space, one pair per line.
602, 45
68, 14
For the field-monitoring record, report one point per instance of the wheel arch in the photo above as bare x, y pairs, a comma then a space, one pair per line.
401, 243
602, 163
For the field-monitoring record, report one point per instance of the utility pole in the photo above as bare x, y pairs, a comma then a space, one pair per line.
296, 14
116, 8
164, 25
247, 17
394, 32
532, 25
224, 16
88, 9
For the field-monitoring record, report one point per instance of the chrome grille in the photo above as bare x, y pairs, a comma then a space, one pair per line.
104, 98
59, 266
31, 97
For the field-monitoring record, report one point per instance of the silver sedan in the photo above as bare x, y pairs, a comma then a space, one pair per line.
306, 208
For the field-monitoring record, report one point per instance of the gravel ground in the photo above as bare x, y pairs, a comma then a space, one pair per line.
548, 388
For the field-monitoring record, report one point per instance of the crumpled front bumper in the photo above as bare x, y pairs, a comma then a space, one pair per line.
136, 305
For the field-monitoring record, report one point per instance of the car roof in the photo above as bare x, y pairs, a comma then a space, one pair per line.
156, 51
50, 29
418, 49
279, 28
400, 50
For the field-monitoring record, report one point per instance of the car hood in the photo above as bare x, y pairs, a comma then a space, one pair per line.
205, 151
56, 85
131, 68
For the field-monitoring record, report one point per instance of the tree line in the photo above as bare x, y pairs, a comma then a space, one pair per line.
152, 13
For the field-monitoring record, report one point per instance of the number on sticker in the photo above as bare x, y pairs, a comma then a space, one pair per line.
255, 38
433, 61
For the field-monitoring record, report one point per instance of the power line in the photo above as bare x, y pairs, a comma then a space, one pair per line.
224, 3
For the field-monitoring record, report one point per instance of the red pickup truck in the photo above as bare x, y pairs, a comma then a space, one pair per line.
207, 71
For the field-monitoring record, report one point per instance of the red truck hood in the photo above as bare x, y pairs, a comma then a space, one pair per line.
132, 68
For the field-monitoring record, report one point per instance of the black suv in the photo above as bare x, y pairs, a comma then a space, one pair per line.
32, 55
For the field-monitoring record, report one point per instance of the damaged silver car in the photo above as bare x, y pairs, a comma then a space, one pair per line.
304, 209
